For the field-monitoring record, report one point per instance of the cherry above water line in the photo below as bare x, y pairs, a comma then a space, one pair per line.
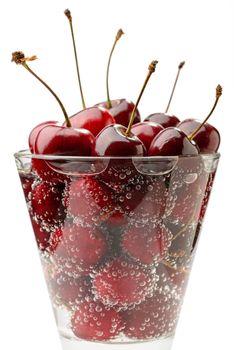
120, 109
173, 141
165, 119
205, 135
116, 140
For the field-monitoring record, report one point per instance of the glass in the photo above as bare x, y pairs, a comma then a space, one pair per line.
117, 239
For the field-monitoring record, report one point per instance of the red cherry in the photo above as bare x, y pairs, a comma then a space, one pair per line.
46, 203
80, 249
42, 235
122, 110
172, 142
207, 195
60, 140
148, 243
165, 120
208, 137
89, 200
94, 321
156, 317
66, 290
146, 132
93, 119
113, 141
35, 131
122, 283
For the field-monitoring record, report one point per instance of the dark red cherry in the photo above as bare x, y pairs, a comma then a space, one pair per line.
207, 138
172, 142
35, 131
146, 132
163, 119
122, 110
93, 119
113, 141
60, 140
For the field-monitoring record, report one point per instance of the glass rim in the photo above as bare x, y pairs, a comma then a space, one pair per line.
27, 154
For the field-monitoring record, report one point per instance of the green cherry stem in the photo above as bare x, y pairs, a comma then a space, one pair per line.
19, 58
219, 91
69, 16
181, 65
118, 36
151, 68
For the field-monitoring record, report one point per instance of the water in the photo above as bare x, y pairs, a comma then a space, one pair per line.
117, 248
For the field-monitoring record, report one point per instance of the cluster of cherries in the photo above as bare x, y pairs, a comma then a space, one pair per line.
101, 237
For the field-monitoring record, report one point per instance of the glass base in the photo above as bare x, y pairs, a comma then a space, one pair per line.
161, 344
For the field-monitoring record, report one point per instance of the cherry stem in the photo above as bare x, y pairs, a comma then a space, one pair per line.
69, 16
118, 36
219, 91
152, 68
19, 58
181, 65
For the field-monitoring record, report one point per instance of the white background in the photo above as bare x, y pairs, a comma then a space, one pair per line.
200, 32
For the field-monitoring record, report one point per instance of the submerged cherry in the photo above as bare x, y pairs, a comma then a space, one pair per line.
166, 119
116, 140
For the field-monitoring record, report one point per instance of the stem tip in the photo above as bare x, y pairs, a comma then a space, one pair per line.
119, 34
219, 91
181, 65
152, 66
68, 14
19, 58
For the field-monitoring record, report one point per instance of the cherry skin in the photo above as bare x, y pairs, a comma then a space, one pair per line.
146, 132
121, 110
35, 131
172, 142
112, 141
207, 138
93, 119
60, 140
163, 119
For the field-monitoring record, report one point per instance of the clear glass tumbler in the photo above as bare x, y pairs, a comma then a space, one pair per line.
116, 238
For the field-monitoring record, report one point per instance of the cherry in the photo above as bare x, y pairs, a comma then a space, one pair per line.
207, 139
147, 244
146, 131
116, 140
113, 141
66, 290
27, 182
165, 119
79, 249
122, 110
46, 203
94, 321
121, 283
35, 131
89, 200
93, 119
156, 317
172, 142
205, 135
60, 140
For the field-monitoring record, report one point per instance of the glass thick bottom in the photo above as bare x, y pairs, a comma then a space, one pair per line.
160, 344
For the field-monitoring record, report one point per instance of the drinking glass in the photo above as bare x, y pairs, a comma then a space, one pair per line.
117, 238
